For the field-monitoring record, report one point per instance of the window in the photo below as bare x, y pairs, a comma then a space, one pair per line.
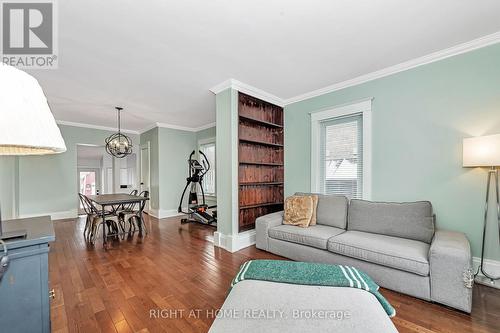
208, 148
341, 151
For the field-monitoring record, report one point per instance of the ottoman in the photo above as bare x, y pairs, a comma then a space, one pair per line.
262, 306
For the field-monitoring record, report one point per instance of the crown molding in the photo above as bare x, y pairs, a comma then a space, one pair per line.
204, 127
424, 60
222, 86
148, 128
404, 66
261, 94
247, 89
102, 128
177, 127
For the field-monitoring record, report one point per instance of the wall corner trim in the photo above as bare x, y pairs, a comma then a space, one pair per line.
163, 213
234, 243
247, 89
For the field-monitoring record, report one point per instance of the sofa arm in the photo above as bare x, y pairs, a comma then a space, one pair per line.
262, 225
450, 270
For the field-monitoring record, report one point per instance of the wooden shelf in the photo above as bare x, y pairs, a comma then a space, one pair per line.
261, 183
261, 205
258, 128
261, 122
261, 163
264, 143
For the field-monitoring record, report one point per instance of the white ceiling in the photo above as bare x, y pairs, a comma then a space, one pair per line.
159, 59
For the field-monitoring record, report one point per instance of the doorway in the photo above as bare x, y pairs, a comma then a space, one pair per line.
100, 173
89, 183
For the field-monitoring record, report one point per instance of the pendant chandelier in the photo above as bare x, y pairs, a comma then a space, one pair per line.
118, 144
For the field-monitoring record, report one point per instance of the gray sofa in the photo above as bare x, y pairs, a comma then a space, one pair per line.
395, 243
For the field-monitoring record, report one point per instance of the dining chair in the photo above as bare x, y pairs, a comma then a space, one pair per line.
124, 209
129, 207
135, 215
111, 220
88, 213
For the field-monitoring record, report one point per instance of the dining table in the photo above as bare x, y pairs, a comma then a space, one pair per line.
115, 201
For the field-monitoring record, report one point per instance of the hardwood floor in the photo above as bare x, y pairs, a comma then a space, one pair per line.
176, 267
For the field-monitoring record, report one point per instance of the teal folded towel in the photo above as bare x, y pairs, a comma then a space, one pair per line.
312, 274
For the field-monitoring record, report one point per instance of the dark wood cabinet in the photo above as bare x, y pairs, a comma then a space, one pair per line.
260, 155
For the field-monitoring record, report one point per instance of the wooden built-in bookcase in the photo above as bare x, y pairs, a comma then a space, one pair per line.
260, 156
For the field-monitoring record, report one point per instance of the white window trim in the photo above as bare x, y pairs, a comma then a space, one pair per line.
364, 107
205, 142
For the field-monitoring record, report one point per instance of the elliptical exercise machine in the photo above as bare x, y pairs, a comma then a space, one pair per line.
197, 212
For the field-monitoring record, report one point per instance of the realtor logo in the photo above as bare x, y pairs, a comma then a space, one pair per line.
28, 34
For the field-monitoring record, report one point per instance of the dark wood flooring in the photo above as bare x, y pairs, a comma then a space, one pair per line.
177, 267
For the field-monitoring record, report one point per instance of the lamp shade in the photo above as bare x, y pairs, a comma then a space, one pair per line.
27, 126
481, 151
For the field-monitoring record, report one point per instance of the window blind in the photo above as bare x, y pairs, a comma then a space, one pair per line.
341, 156
209, 179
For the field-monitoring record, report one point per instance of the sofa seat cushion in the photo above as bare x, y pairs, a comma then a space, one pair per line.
315, 236
399, 253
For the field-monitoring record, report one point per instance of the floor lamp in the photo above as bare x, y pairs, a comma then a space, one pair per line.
27, 126
484, 151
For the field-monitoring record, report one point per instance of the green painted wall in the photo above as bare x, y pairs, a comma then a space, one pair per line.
227, 161
170, 149
152, 137
48, 184
174, 149
419, 119
206, 133
8, 186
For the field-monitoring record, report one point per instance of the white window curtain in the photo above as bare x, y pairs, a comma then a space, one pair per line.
341, 156
209, 180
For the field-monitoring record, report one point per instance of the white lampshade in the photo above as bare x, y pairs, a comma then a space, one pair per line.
27, 126
482, 151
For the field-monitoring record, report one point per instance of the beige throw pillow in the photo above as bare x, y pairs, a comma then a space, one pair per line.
315, 206
315, 198
298, 210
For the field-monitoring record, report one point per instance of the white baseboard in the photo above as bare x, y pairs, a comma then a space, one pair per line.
163, 213
492, 267
233, 243
68, 214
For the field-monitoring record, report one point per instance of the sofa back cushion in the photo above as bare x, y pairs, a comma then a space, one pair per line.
411, 220
331, 209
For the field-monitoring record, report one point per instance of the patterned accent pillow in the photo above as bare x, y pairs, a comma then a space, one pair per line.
298, 210
315, 198
315, 207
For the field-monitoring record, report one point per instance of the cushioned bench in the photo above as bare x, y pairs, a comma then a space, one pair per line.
260, 306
